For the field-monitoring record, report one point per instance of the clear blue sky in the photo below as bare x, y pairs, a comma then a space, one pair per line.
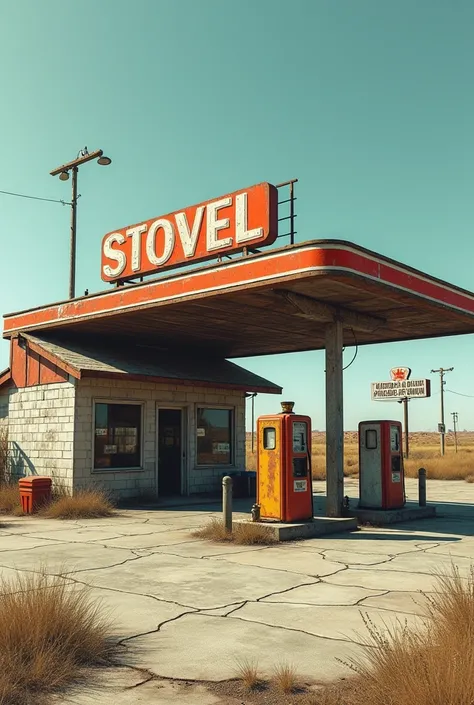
368, 102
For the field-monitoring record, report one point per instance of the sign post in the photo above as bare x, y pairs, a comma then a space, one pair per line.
405, 425
402, 389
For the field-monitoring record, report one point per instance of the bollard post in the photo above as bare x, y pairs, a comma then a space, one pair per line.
422, 487
227, 502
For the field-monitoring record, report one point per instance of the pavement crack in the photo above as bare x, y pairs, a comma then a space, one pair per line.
285, 570
129, 592
299, 631
400, 570
149, 678
364, 587
31, 548
105, 567
126, 639
368, 597
282, 592
236, 609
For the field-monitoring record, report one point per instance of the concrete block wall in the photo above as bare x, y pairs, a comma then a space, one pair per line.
127, 483
41, 430
3, 408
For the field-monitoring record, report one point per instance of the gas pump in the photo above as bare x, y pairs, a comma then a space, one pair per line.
381, 472
284, 483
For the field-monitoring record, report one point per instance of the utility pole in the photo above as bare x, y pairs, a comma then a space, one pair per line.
442, 429
454, 414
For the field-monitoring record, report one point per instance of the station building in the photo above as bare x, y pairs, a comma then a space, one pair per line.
133, 420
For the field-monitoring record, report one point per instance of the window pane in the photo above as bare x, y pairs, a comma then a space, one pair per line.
269, 438
214, 437
117, 436
371, 439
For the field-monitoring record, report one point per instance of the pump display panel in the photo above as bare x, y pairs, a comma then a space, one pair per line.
300, 440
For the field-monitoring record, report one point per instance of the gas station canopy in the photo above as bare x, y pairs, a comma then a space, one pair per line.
270, 302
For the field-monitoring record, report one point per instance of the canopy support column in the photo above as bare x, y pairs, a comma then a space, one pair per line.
334, 420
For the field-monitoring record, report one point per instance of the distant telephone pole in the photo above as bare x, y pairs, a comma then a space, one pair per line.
454, 414
442, 429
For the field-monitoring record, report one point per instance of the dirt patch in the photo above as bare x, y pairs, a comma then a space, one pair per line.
235, 693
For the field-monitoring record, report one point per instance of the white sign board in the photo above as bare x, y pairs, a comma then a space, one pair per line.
400, 389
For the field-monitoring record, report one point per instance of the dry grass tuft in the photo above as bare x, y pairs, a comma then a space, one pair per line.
48, 633
243, 534
286, 678
213, 531
84, 504
247, 671
431, 666
251, 534
10, 500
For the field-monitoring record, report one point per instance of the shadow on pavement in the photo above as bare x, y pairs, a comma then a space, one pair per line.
453, 520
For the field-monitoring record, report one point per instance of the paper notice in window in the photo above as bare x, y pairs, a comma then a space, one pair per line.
110, 450
100, 431
201, 432
220, 447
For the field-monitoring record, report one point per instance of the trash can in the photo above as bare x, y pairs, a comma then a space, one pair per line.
34, 492
239, 484
252, 483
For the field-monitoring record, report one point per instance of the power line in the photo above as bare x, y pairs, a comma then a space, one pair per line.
459, 394
35, 198
355, 353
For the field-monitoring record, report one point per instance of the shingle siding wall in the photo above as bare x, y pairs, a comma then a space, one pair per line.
41, 430
130, 483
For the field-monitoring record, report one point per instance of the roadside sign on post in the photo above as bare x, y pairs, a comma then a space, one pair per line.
400, 389
441, 428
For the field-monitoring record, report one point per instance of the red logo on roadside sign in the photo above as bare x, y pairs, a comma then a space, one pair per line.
399, 374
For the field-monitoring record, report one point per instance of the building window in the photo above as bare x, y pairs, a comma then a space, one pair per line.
214, 436
117, 436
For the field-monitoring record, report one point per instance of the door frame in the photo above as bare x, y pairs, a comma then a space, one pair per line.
184, 408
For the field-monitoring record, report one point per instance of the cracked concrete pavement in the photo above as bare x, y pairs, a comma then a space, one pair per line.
188, 610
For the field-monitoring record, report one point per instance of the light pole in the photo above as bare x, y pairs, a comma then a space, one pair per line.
63, 172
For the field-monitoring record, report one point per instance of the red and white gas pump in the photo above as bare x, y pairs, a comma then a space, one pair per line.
381, 472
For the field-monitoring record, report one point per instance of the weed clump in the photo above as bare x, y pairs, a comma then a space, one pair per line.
48, 633
242, 534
